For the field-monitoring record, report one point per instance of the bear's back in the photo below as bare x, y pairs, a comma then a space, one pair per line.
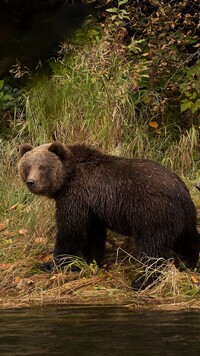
122, 175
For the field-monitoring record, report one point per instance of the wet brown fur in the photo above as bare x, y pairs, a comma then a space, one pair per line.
95, 192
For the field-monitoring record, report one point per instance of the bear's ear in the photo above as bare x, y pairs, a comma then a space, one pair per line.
25, 148
60, 150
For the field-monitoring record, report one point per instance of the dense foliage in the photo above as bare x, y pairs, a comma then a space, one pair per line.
150, 49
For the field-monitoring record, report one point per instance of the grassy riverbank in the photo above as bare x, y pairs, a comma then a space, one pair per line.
98, 94
27, 229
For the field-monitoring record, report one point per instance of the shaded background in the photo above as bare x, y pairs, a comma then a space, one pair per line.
30, 31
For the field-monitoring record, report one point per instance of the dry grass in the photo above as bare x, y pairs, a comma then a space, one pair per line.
21, 285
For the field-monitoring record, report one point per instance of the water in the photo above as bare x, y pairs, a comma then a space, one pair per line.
98, 331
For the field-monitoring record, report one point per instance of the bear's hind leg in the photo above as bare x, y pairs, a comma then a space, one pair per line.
187, 250
153, 256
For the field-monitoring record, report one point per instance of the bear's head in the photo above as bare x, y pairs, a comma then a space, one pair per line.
44, 169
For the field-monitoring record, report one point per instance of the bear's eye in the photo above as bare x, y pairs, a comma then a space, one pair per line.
42, 168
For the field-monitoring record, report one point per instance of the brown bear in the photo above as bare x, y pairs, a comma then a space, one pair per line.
94, 192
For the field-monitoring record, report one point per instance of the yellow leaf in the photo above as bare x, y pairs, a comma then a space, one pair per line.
17, 279
153, 124
194, 279
23, 232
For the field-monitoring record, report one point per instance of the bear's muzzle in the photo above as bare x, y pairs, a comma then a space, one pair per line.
31, 184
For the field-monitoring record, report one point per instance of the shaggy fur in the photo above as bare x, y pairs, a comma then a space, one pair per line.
95, 192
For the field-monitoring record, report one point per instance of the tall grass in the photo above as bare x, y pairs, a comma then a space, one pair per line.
89, 99
78, 106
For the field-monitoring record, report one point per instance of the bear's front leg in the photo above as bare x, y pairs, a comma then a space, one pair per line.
69, 242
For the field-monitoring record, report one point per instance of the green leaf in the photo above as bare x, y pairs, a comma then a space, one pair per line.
188, 94
124, 12
7, 97
113, 10
195, 106
194, 95
122, 2
186, 104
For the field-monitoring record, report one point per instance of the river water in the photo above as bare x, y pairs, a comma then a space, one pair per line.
98, 331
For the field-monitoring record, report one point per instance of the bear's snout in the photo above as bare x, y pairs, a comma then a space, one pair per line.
30, 184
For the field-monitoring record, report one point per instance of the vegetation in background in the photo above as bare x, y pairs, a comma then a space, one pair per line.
128, 84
